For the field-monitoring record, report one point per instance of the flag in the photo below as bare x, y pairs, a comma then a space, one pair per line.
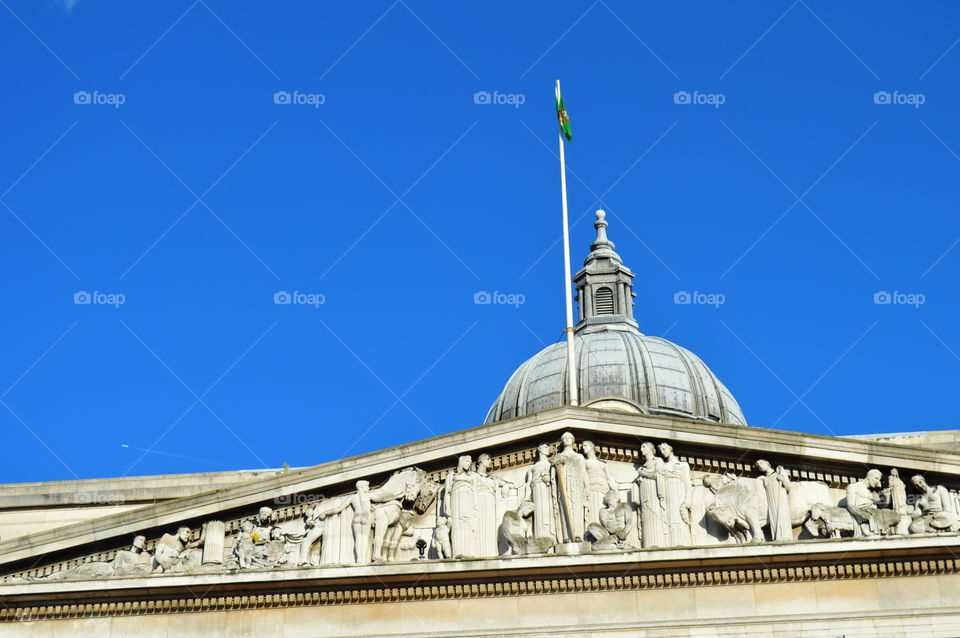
562, 116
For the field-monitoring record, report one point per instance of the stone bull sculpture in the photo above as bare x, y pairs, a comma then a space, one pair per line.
740, 505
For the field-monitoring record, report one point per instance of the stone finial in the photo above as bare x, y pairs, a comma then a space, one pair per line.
601, 226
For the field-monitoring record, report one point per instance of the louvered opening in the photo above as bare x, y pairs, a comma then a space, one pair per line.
604, 301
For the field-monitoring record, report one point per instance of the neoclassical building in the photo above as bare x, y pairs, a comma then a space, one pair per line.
653, 509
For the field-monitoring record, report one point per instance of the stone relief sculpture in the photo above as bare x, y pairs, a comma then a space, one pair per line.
828, 521
650, 479
441, 538
600, 481
571, 493
487, 491
934, 509
539, 489
863, 499
177, 553
557, 502
738, 507
777, 485
676, 488
459, 507
616, 519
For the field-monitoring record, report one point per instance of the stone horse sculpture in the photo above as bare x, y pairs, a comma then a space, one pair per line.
406, 494
740, 506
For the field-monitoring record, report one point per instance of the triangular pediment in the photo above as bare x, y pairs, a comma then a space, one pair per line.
820, 468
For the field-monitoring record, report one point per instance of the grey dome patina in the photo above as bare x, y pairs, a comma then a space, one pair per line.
617, 367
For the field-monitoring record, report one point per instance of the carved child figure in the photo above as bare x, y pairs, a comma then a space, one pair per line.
441, 538
245, 547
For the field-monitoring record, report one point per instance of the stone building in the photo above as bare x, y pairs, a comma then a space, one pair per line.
653, 509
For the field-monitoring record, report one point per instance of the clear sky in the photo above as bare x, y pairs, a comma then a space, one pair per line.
187, 161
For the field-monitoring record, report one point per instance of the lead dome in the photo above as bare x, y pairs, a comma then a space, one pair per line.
618, 367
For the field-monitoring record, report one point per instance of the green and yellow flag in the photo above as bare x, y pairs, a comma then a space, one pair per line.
562, 116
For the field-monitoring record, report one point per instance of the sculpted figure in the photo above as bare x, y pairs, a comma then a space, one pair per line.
934, 510
862, 503
262, 524
650, 479
441, 538
615, 521
273, 552
362, 520
244, 548
515, 530
539, 488
677, 490
135, 561
176, 552
572, 482
486, 505
777, 485
407, 493
599, 481
314, 528
460, 497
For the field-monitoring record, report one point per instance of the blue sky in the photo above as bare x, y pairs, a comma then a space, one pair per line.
791, 159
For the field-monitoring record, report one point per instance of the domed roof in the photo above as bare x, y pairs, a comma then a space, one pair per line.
617, 366
620, 368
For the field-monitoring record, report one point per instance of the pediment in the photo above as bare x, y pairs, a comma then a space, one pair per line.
819, 468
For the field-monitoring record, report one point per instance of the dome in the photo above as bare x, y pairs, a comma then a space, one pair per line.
624, 370
618, 367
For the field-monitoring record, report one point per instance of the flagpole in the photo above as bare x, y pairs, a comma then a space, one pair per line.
571, 350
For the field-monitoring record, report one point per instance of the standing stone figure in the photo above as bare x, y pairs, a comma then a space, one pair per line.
441, 538
460, 508
487, 523
599, 481
777, 485
934, 512
572, 485
650, 479
677, 491
539, 489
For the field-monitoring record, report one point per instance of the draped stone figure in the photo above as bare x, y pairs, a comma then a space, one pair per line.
863, 504
777, 485
934, 510
650, 479
599, 481
677, 491
460, 508
539, 489
486, 504
571, 492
